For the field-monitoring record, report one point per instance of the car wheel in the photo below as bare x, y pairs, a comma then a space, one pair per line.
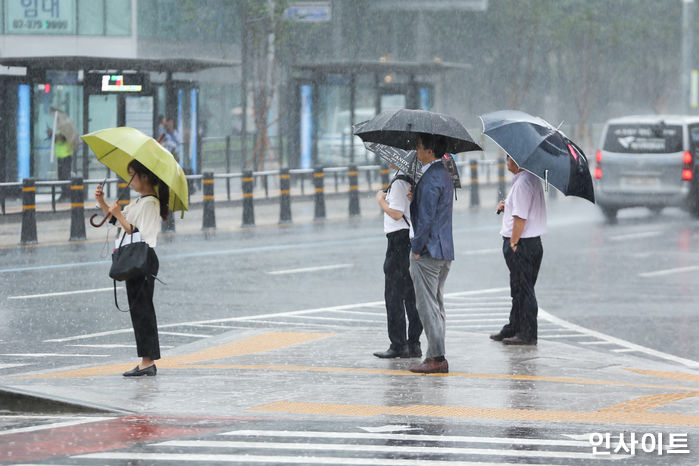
693, 199
609, 214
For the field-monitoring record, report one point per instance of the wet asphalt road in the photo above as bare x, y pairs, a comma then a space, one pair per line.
635, 280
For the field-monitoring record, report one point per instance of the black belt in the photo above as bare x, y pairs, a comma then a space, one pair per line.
398, 233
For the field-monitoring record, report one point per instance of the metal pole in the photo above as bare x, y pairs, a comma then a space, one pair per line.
687, 46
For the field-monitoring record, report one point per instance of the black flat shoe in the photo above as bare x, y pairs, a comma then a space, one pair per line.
136, 372
391, 353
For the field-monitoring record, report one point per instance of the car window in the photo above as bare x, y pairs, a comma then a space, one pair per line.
694, 138
644, 138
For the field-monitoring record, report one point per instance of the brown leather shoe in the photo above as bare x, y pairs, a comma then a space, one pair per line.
431, 366
518, 341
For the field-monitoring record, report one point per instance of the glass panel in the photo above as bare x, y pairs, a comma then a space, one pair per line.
91, 17
365, 109
334, 128
139, 113
57, 110
118, 18
103, 114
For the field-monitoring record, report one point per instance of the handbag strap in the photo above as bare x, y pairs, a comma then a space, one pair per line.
116, 302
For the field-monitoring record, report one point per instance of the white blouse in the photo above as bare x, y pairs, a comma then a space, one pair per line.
144, 214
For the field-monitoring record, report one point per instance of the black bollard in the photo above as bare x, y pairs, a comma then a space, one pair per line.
248, 208
77, 209
475, 199
318, 176
353, 175
501, 179
284, 196
124, 194
28, 212
209, 218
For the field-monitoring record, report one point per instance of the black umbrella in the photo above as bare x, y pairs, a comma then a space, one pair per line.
541, 149
401, 128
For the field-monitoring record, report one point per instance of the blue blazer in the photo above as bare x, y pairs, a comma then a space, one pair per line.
430, 212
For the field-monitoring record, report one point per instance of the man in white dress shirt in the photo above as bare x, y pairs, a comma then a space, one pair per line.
523, 223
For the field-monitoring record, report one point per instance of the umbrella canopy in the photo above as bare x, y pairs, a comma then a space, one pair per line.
542, 150
407, 162
401, 128
117, 147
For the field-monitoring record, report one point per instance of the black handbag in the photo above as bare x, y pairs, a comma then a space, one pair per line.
133, 260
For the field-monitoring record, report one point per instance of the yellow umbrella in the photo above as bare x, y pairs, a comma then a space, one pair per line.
116, 147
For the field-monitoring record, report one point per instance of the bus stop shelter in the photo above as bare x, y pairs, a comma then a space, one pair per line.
40, 94
328, 98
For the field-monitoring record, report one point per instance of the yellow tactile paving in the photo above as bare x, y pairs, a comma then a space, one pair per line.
646, 403
369, 370
257, 344
667, 375
614, 417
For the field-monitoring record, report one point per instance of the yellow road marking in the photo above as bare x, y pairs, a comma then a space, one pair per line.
257, 344
646, 403
667, 375
369, 370
616, 417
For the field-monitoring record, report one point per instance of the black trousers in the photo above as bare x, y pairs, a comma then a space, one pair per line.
145, 327
64, 169
524, 269
399, 292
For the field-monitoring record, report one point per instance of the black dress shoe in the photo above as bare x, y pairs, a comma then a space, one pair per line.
518, 341
497, 336
391, 353
414, 350
136, 372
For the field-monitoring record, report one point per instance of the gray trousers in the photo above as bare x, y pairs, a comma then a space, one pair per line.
428, 276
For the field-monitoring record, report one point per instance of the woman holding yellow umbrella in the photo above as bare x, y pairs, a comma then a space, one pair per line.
160, 181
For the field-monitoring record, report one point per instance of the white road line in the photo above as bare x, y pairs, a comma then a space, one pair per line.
64, 293
311, 269
339, 319
660, 273
645, 234
113, 346
562, 335
210, 326
408, 437
618, 341
56, 425
624, 350
249, 459
377, 313
596, 343
180, 334
399, 449
476, 292
464, 314
478, 309
472, 320
55, 355
9, 366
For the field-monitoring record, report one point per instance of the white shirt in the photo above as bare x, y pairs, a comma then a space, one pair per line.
397, 198
425, 167
525, 200
144, 214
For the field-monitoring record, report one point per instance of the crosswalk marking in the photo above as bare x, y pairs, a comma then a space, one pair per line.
402, 449
410, 437
248, 459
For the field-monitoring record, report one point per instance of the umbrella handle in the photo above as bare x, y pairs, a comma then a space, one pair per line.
96, 224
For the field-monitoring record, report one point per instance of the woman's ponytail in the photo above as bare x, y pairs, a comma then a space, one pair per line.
164, 198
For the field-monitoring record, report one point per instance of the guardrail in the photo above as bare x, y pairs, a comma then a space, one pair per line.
288, 185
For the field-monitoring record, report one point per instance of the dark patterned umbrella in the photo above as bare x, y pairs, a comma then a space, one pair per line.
542, 150
401, 128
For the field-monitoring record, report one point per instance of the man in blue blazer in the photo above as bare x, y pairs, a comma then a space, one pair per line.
432, 247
